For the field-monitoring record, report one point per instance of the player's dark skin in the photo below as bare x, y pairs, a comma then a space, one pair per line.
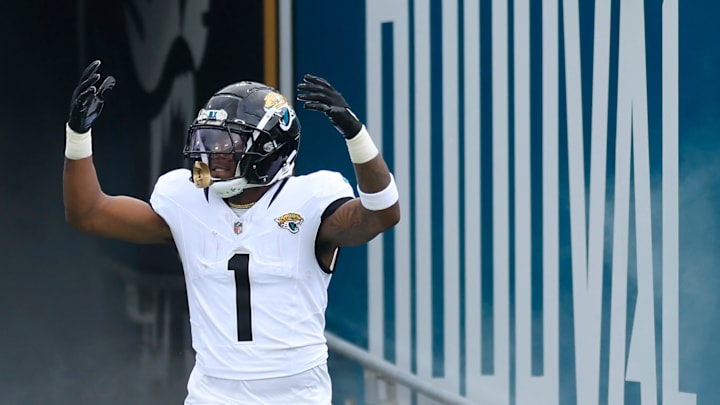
90, 210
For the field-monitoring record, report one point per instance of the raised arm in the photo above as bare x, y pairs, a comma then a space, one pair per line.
377, 210
87, 207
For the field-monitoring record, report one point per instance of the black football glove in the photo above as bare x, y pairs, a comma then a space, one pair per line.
319, 95
87, 99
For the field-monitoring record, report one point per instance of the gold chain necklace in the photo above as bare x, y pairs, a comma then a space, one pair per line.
241, 206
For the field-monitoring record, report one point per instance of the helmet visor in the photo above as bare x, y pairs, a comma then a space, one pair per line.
204, 140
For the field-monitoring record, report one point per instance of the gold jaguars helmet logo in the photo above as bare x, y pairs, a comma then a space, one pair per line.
278, 105
275, 100
290, 221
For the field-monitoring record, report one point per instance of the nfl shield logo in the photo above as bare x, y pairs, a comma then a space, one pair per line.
237, 227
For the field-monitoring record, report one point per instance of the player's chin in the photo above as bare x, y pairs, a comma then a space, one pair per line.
221, 174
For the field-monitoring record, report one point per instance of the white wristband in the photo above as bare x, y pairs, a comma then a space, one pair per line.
361, 147
381, 200
77, 146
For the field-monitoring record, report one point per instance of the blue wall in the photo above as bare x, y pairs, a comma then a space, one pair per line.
342, 56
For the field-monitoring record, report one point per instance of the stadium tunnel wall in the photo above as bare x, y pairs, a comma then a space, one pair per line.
558, 177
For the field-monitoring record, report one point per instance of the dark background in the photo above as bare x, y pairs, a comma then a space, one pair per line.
66, 337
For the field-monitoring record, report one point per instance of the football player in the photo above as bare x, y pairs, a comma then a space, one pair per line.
258, 243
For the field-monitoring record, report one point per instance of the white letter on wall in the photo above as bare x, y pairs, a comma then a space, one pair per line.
670, 297
587, 243
379, 12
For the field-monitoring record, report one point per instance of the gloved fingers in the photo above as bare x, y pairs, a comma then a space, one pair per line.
86, 84
90, 70
106, 85
313, 88
317, 106
308, 78
320, 97
87, 95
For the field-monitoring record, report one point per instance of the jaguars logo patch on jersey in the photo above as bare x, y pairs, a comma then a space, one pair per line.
290, 221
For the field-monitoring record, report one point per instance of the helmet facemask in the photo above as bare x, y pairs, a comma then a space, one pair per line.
219, 148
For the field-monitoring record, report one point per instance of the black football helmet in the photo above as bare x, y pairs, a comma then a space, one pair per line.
254, 124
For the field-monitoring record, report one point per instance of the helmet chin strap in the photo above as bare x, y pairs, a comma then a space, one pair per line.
229, 188
232, 187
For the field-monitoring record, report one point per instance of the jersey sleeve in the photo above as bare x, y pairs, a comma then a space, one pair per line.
333, 187
333, 190
167, 190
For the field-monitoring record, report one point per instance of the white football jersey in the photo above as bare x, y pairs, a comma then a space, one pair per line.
256, 292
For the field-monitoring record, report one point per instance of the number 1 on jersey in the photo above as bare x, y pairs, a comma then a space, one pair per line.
240, 264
